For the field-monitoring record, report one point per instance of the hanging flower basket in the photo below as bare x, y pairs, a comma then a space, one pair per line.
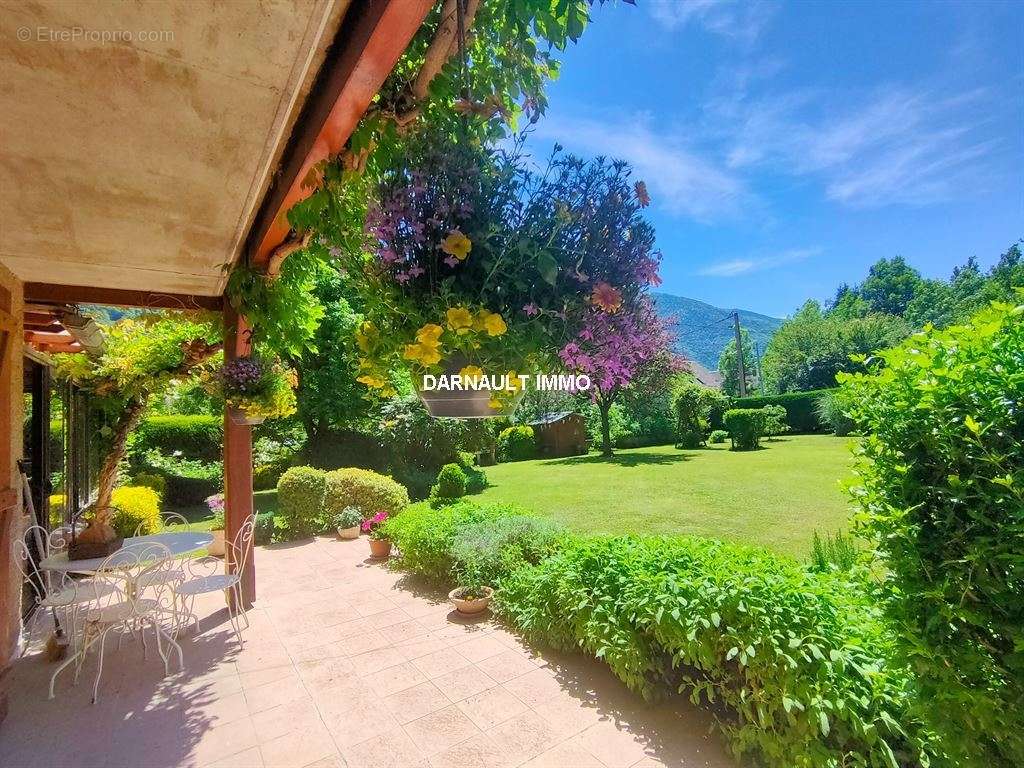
469, 403
240, 416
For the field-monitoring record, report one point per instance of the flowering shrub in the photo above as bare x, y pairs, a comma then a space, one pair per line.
136, 509
255, 386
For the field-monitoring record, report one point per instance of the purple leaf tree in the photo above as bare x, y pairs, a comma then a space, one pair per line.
617, 351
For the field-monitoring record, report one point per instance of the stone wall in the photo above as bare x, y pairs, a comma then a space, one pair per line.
12, 522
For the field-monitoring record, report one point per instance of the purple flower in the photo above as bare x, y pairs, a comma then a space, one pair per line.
402, 277
416, 271
451, 261
531, 309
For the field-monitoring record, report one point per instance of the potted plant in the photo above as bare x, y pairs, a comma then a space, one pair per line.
472, 597
255, 389
216, 505
380, 544
347, 523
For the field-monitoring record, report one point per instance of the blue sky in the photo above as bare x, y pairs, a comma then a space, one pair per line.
787, 146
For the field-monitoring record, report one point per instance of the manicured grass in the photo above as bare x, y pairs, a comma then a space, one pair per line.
773, 497
201, 519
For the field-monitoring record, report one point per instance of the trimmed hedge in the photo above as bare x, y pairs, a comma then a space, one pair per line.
801, 408
745, 426
517, 444
300, 498
368, 491
197, 437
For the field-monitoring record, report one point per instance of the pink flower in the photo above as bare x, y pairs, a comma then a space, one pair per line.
531, 309
416, 271
402, 277
451, 261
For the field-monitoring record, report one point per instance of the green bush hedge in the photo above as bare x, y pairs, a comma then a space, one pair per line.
801, 409
188, 481
693, 406
745, 427
136, 508
798, 658
942, 494
300, 498
718, 436
451, 483
367, 491
476, 478
517, 444
197, 437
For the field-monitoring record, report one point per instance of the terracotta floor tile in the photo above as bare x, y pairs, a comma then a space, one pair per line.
463, 683
415, 702
613, 745
394, 679
413, 649
478, 751
506, 665
490, 707
404, 631
388, 617
393, 749
524, 736
380, 658
479, 648
298, 748
248, 758
569, 754
440, 730
280, 720
440, 662
534, 688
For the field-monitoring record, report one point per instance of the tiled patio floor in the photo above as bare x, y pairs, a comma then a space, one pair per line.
347, 664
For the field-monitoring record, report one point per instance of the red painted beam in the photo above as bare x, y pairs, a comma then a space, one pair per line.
372, 38
49, 337
47, 293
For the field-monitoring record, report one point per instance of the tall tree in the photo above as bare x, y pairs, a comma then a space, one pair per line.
890, 286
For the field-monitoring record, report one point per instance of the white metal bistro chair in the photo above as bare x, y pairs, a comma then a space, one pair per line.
121, 608
173, 575
229, 583
60, 594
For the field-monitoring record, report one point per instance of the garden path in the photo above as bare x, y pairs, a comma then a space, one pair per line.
347, 663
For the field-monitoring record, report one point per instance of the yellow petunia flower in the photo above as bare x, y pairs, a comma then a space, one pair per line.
430, 356
459, 320
424, 353
371, 381
457, 245
513, 381
494, 325
494, 403
429, 334
480, 320
366, 336
471, 373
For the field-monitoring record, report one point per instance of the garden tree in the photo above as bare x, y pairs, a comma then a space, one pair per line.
941, 494
727, 364
618, 350
140, 357
695, 406
890, 286
328, 396
810, 348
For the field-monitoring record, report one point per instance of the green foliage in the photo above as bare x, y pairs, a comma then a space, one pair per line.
263, 529
148, 480
834, 552
727, 365
812, 347
451, 482
136, 508
774, 420
197, 437
188, 481
745, 426
301, 498
476, 478
799, 659
801, 409
367, 491
416, 440
942, 495
487, 551
718, 436
283, 312
831, 409
694, 405
517, 443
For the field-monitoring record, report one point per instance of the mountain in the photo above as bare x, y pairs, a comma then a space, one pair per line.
703, 330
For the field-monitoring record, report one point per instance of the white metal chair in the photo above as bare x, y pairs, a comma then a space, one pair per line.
237, 554
121, 608
173, 575
53, 592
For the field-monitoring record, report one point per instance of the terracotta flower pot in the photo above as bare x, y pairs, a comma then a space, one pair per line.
216, 547
349, 533
380, 549
470, 606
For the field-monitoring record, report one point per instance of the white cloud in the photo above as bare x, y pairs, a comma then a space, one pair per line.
745, 265
740, 20
898, 145
680, 181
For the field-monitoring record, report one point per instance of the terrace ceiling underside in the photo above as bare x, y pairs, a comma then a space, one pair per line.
140, 164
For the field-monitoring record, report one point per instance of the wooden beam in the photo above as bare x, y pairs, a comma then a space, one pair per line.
44, 337
373, 36
48, 348
48, 293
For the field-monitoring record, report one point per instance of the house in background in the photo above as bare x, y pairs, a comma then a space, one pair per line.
708, 378
561, 434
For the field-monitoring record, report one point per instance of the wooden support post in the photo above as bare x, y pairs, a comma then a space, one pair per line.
238, 498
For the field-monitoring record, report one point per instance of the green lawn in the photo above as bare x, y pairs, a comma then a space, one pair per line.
201, 519
774, 497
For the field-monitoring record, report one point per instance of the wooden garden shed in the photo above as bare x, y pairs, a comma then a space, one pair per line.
561, 434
